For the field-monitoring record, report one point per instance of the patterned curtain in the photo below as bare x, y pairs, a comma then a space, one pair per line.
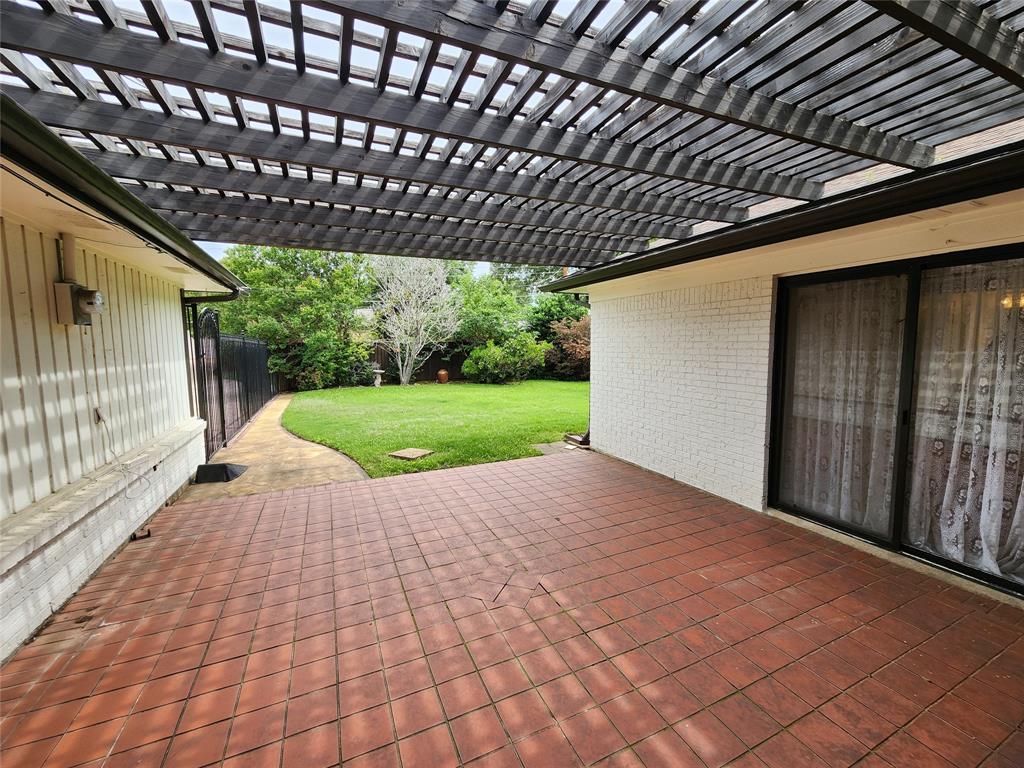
965, 499
839, 425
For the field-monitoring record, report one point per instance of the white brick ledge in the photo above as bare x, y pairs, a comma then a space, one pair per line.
32, 528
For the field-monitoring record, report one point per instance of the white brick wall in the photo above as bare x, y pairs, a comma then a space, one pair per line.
680, 384
95, 516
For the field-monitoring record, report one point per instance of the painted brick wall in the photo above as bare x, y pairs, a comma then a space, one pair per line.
680, 384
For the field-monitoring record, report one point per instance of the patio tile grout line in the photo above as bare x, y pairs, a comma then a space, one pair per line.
878, 578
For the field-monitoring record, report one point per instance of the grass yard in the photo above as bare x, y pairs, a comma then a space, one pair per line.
462, 423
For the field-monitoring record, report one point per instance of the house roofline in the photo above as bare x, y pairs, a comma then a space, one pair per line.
34, 147
980, 175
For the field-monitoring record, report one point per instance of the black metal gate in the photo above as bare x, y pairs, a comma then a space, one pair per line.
232, 379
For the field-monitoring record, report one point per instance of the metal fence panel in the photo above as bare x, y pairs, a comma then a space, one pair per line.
232, 379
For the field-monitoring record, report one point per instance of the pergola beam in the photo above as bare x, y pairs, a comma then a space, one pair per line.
180, 173
114, 120
473, 26
326, 244
320, 215
965, 28
66, 37
225, 229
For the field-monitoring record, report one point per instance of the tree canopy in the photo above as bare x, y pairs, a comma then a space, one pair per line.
303, 304
552, 308
525, 279
417, 309
312, 308
490, 311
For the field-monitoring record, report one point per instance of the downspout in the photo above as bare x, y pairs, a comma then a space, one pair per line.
189, 360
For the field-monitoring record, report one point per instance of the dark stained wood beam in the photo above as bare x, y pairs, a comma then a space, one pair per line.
159, 20
107, 12
298, 41
208, 25
321, 215
620, 25
472, 25
224, 229
179, 173
255, 23
965, 28
114, 120
324, 243
129, 52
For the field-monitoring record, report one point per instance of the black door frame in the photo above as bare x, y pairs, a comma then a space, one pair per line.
912, 269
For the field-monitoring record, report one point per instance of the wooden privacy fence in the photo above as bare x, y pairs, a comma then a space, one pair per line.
450, 361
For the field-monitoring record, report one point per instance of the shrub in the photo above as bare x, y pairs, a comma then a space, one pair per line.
514, 360
569, 355
552, 308
322, 360
361, 373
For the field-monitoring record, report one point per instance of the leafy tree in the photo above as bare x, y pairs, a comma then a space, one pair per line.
457, 269
490, 311
303, 304
553, 308
417, 309
525, 279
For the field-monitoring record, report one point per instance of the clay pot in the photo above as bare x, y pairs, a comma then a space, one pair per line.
442, 376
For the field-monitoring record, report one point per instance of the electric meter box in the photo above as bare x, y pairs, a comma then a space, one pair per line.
76, 304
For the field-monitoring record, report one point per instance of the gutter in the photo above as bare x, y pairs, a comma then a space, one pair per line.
987, 173
30, 144
211, 298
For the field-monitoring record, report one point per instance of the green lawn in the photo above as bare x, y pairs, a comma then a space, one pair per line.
462, 423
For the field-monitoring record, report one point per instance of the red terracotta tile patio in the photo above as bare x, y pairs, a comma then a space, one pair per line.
628, 621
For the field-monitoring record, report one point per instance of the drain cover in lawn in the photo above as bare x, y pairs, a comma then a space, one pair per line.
410, 453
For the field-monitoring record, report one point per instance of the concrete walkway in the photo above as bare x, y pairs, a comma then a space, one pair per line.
277, 460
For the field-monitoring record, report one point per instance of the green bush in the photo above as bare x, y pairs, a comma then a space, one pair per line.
553, 308
489, 311
514, 360
323, 360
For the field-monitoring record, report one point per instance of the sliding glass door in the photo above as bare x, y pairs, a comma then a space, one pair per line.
899, 408
844, 343
964, 500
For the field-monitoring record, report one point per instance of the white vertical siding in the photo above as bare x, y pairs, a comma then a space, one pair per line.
130, 363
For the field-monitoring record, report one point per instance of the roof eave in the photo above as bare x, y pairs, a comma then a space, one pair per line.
987, 173
31, 145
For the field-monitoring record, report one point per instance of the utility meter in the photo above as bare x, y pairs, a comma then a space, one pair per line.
76, 304
90, 302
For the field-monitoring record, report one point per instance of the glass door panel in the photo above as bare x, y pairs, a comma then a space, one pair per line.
964, 500
840, 402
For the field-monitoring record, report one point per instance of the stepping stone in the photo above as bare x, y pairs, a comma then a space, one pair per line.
408, 454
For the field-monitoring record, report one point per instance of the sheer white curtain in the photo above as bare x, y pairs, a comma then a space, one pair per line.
842, 383
965, 500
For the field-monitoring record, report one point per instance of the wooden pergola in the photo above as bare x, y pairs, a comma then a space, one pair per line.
563, 132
